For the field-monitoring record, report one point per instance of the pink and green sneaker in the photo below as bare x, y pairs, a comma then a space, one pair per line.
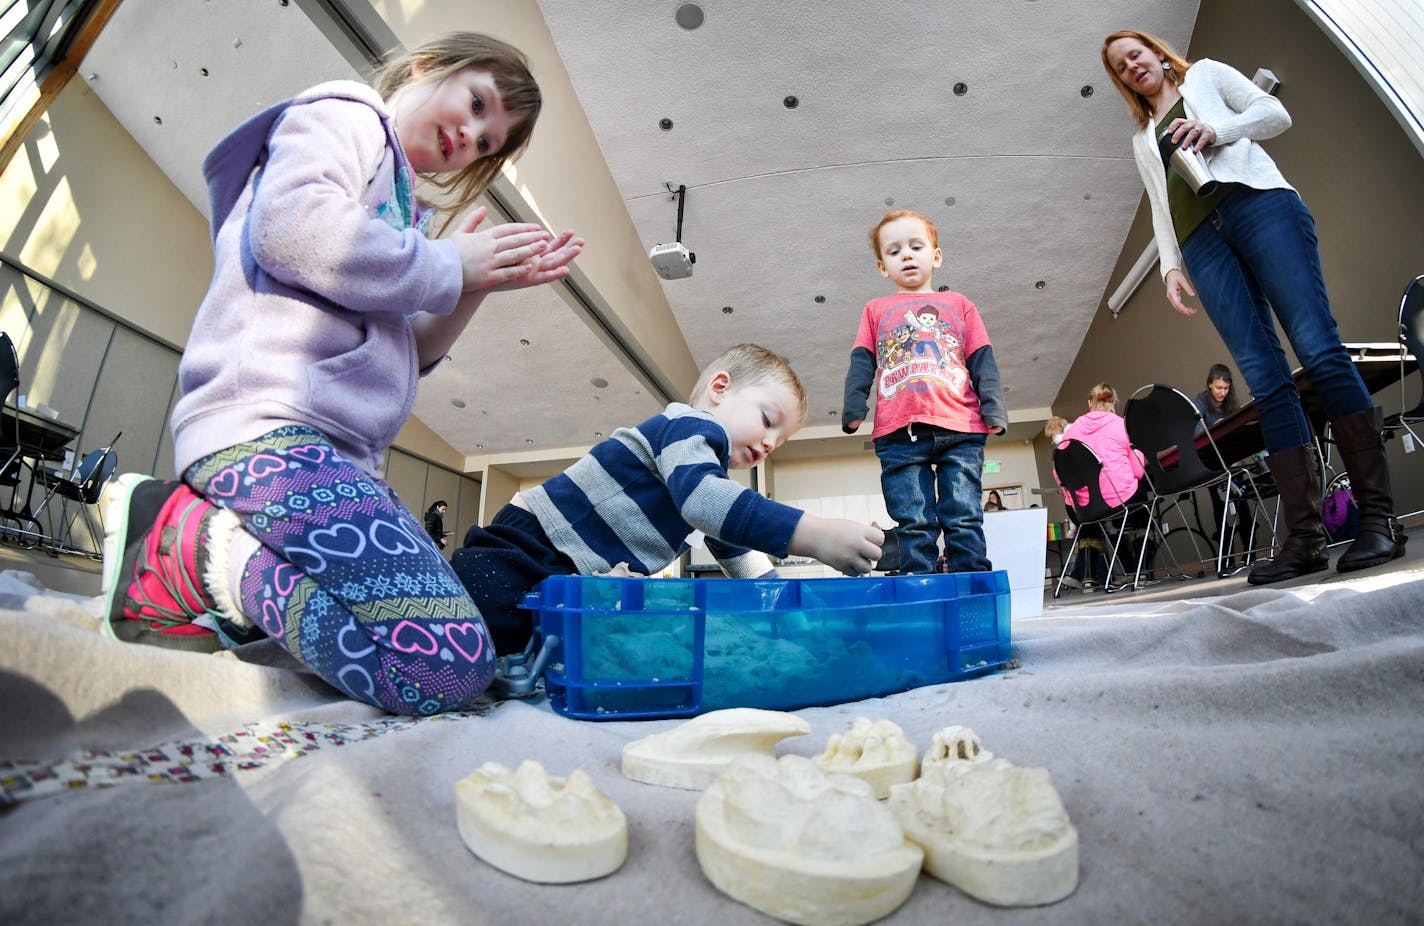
155, 557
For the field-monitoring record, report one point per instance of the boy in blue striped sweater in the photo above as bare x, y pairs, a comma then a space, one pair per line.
638, 496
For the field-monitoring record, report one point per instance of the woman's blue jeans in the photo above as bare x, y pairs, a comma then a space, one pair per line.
1256, 252
933, 484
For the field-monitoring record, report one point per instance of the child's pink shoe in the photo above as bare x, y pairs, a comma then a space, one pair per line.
155, 558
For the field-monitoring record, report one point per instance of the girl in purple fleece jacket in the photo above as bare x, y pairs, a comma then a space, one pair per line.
327, 304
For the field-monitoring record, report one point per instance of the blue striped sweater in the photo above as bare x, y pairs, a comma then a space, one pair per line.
638, 495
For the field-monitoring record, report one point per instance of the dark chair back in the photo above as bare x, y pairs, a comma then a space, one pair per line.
1163, 423
10, 432
1411, 324
9, 368
1078, 470
90, 476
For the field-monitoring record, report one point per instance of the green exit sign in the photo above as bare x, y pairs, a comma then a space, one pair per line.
992, 466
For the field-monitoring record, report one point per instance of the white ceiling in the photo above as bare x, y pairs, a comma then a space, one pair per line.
1030, 181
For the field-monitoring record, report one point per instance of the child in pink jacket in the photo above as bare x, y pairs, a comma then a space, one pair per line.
1105, 431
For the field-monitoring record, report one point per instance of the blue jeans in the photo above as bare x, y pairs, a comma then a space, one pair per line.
932, 484
1257, 252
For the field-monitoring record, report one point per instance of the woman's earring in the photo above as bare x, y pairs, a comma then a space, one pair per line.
1166, 65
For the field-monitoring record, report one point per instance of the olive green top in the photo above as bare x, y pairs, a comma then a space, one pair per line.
1188, 209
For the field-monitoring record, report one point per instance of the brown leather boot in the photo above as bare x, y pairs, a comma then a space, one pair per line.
1303, 552
1381, 539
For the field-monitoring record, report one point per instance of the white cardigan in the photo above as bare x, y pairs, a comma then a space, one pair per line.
1241, 114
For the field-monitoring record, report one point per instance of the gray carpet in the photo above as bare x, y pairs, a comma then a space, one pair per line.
1257, 757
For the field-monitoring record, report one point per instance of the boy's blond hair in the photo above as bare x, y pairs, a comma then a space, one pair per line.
901, 214
752, 365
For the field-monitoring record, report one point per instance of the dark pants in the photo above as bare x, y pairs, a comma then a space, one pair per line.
931, 480
499, 565
1257, 253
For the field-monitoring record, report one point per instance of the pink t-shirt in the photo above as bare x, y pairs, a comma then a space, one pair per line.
920, 342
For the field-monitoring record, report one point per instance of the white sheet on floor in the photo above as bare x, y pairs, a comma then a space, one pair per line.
1257, 757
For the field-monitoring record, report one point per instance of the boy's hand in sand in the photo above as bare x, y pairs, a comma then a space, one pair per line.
844, 545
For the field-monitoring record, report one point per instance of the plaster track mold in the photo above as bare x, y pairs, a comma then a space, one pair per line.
997, 832
802, 846
692, 754
538, 827
875, 751
955, 744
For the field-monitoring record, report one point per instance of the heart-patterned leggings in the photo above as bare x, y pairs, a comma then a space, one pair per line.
347, 579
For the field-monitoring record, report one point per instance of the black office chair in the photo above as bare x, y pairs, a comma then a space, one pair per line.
1166, 426
1411, 340
10, 433
83, 485
1078, 470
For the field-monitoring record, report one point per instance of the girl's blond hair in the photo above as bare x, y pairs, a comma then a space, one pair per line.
1102, 398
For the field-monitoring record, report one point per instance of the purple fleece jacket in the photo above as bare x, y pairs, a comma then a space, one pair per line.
319, 270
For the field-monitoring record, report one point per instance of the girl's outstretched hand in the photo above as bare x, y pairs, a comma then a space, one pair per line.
551, 265
511, 256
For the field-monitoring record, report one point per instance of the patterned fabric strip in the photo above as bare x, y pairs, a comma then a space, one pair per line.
255, 745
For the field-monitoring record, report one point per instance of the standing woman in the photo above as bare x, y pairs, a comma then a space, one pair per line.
1251, 247
435, 522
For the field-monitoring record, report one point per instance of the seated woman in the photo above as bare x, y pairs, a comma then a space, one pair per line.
1218, 399
994, 502
1123, 479
1215, 402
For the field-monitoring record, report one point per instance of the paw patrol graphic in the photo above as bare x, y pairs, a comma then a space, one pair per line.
894, 348
927, 354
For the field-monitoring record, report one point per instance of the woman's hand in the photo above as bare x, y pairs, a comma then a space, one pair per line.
1191, 134
1177, 283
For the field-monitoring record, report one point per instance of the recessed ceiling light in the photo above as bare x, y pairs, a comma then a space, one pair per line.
597, 433
791, 102
665, 124
726, 310
833, 413
889, 200
1087, 195
599, 382
458, 403
1086, 92
157, 120
820, 300
689, 16
523, 342
528, 440
961, 88
943, 288
949, 200
1040, 284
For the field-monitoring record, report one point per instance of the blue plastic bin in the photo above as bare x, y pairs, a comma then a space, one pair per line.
652, 648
